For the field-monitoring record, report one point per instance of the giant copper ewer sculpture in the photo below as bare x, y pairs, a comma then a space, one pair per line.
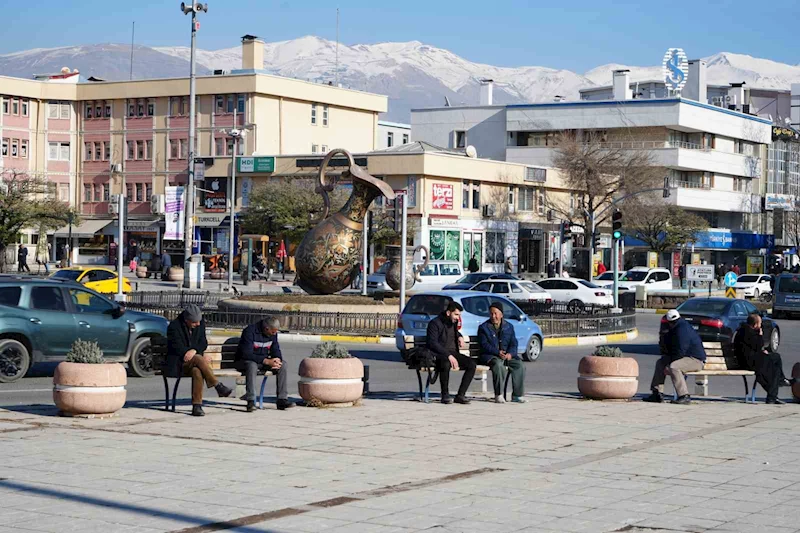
326, 258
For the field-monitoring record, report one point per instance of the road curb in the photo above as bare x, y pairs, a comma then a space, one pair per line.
653, 311
591, 341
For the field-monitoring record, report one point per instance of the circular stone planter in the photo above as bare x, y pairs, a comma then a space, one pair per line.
608, 378
84, 389
218, 273
175, 274
141, 272
796, 386
331, 381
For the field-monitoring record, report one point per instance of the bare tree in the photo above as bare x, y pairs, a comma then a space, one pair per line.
599, 172
662, 227
791, 228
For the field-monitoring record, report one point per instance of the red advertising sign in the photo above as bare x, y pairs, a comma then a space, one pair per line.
442, 196
676, 263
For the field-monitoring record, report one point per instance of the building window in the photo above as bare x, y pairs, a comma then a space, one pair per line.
460, 140
131, 154
741, 185
540, 201
131, 108
511, 199
106, 193
106, 151
23, 149
231, 102
108, 111
495, 247
240, 147
148, 192
139, 150
314, 148
98, 151
526, 199
5, 105
240, 103
129, 191
87, 151
325, 115
476, 195
63, 192
219, 106
151, 107
88, 109
405, 138
98, 110
58, 151
98, 193
15, 106
140, 107
219, 147
87, 193
184, 148
14, 148
148, 150
313, 114
140, 192
465, 195
25, 104
535, 174
5, 147
229, 146
173, 149
58, 110
324, 148
389, 139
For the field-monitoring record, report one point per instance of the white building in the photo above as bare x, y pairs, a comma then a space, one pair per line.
392, 134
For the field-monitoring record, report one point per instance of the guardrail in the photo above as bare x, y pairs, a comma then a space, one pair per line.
179, 299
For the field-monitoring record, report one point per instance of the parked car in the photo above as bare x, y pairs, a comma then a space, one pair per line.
786, 296
102, 280
656, 279
754, 285
529, 296
376, 282
438, 274
468, 281
40, 319
606, 277
577, 293
424, 307
717, 319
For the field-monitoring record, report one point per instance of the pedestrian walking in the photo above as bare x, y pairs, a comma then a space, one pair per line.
22, 259
509, 267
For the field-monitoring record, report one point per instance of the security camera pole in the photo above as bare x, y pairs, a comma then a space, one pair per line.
188, 235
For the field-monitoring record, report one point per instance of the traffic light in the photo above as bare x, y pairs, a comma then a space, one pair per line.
596, 241
617, 224
566, 230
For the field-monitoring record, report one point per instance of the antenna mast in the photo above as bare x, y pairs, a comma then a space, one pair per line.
133, 33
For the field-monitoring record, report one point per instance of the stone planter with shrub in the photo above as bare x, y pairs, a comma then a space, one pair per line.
607, 375
331, 376
86, 385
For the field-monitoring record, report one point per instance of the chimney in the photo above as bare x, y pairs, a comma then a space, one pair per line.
487, 87
252, 53
736, 96
696, 87
622, 85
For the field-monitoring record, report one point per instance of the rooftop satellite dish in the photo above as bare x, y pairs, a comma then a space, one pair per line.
471, 152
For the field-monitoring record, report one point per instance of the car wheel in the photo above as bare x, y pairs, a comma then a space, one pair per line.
575, 306
774, 340
534, 349
140, 364
14, 360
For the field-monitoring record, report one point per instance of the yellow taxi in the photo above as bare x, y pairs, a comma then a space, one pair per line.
101, 280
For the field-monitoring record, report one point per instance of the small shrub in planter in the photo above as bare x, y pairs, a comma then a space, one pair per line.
331, 375
607, 351
607, 374
84, 384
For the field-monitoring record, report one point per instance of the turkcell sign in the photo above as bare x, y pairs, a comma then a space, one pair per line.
255, 164
700, 272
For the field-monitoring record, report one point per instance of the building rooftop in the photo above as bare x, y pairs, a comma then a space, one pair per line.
418, 147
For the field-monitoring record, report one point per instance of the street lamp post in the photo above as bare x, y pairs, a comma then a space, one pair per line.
194, 8
236, 134
70, 219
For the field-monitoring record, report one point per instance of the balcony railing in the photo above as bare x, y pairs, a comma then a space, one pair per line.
652, 145
688, 184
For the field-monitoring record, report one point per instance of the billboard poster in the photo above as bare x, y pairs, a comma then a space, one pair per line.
174, 213
442, 196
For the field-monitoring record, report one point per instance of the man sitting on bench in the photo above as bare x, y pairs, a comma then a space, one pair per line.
444, 340
259, 350
499, 352
186, 342
683, 352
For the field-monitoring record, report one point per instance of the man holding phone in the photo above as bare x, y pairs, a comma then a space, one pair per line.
444, 342
259, 350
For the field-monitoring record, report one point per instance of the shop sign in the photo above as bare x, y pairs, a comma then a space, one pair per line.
442, 196
700, 272
785, 134
676, 264
215, 198
255, 164
445, 222
652, 259
174, 213
778, 201
755, 264
530, 233
209, 221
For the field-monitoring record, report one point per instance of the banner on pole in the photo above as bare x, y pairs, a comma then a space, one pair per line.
174, 213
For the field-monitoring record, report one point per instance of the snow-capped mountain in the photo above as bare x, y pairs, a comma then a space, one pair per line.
412, 74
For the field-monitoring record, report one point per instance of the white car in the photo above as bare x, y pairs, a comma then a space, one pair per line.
607, 276
577, 293
438, 274
655, 279
518, 291
754, 285
376, 282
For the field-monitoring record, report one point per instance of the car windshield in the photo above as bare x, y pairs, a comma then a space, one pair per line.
747, 279
71, 275
702, 306
634, 275
426, 304
473, 278
587, 283
531, 287
789, 284
606, 276
383, 268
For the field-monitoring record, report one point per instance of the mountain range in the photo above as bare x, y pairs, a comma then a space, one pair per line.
412, 74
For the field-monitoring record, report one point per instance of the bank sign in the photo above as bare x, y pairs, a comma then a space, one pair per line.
779, 201
676, 69
255, 164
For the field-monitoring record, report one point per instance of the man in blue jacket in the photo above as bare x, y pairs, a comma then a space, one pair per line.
259, 350
683, 352
499, 352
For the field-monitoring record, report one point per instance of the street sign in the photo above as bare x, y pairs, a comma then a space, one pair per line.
730, 279
730, 292
255, 164
700, 272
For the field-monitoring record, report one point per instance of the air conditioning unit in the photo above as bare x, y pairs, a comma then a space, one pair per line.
488, 210
221, 72
116, 167
718, 101
157, 204
113, 205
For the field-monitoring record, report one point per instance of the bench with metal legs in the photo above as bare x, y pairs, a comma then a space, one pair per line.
424, 392
749, 393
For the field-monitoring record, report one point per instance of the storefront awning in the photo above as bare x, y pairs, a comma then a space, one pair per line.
84, 230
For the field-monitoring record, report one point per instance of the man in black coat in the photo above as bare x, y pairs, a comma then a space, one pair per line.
748, 346
444, 341
186, 342
258, 350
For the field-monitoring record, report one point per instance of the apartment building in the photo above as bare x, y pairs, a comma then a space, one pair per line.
714, 156
92, 139
460, 206
392, 134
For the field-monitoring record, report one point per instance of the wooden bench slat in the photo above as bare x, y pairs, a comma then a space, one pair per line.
712, 345
710, 352
721, 373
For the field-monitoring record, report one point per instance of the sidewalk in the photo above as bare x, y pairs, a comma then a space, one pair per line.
556, 464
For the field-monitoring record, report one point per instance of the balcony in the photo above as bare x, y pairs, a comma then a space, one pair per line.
700, 196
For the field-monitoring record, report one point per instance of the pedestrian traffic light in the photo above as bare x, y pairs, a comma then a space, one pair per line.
617, 224
596, 241
566, 230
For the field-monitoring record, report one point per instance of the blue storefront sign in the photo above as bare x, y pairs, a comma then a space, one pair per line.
724, 240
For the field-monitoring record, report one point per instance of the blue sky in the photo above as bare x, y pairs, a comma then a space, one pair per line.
574, 34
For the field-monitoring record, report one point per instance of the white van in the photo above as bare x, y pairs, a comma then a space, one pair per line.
438, 274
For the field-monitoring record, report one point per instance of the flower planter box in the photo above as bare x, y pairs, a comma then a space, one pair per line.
141, 272
175, 274
608, 378
331, 381
89, 389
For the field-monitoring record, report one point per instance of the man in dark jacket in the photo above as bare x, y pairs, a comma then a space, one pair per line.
473, 266
186, 342
683, 352
22, 259
748, 346
499, 351
444, 341
258, 350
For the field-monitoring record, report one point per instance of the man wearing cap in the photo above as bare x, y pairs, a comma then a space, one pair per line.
259, 350
186, 342
683, 352
499, 352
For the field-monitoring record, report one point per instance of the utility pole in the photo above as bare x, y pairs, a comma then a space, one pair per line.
403, 232
364, 260
235, 134
188, 235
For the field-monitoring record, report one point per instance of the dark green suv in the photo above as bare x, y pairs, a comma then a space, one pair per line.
40, 319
